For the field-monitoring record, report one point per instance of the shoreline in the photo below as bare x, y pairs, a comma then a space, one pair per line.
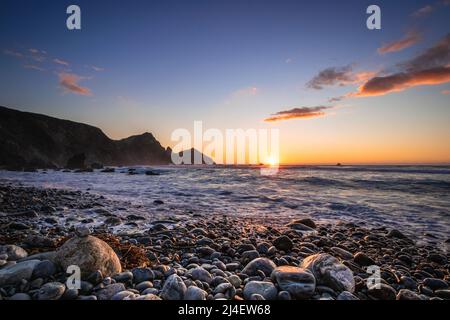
213, 257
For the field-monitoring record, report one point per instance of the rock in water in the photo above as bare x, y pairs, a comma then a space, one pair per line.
90, 254
173, 289
263, 288
300, 283
330, 272
15, 273
263, 264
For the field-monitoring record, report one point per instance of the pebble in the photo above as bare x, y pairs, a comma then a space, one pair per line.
263, 264
125, 276
300, 283
201, 274
435, 284
363, 260
265, 289
284, 295
384, 292
173, 289
283, 243
330, 272
144, 285
405, 294
14, 274
344, 254
20, 297
109, 291
122, 295
45, 269
444, 294
142, 274
195, 293
235, 280
51, 291
13, 252
345, 295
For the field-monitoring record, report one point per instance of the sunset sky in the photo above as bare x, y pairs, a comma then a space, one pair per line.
337, 91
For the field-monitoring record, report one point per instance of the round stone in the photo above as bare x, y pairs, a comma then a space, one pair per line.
329, 271
51, 291
300, 283
263, 264
405, 294
283, 243
263, 288
89, 254
195, 293
382, 292
201, 274
174, 288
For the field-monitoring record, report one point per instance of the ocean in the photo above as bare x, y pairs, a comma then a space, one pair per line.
413, 199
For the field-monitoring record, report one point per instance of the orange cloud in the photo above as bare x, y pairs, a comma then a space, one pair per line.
69, 83
379, 86
61, 62
298, 113
338, 76
409, 40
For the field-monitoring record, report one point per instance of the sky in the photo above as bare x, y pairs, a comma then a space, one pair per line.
335, 90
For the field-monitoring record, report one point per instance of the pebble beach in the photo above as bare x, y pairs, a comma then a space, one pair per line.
201, 256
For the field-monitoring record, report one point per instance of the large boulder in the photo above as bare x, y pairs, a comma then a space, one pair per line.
89, 254
329, 271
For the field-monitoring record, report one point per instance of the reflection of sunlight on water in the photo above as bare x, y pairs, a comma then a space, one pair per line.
415, 201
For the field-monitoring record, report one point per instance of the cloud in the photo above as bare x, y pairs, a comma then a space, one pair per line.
436, 56
445, 92
338, 76
98, 69
409, 40
424, 11
379, 86
33, 67
13, 53
246, 92
69, 83
61, 62
429, 68
429, 9
336, 99
298, 113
